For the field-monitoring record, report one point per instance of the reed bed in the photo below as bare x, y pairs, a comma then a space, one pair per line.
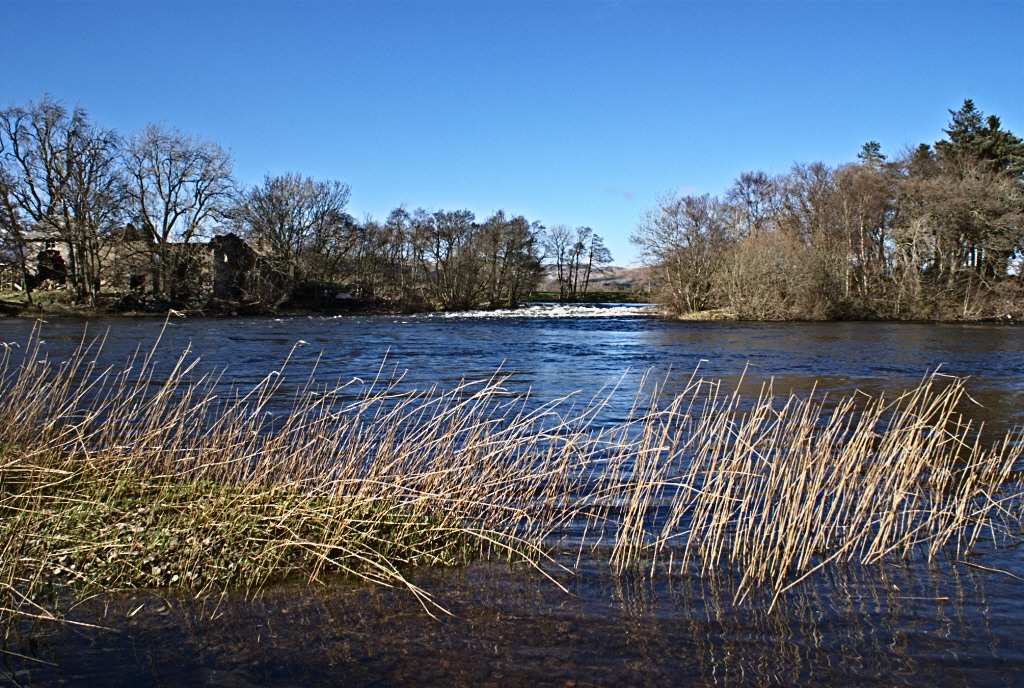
130, 476
776, 488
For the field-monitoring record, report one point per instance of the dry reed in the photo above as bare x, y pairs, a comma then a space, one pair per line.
119, 477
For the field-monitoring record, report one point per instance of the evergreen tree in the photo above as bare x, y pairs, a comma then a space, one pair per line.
964, 128
973, 136
871, 155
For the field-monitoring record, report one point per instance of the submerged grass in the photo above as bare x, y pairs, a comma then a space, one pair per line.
114, 478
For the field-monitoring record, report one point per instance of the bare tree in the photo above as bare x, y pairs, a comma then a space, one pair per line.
863, 211
300, 224
94, 205
575, 255
768, 276
959, 228
377, 260
13, 246
753, 198
179, 186
598, 256
35, 176
509, 261
445, 248
558, 242
404, 248
684, 241
808, 213
62, 185
577, 272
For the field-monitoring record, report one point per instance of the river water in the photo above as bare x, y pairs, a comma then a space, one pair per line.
554, 351
902, 625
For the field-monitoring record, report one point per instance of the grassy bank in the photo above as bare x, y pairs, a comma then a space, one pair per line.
108, 481
113, 478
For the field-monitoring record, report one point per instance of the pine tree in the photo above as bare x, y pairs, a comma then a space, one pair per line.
972, 135
871, 155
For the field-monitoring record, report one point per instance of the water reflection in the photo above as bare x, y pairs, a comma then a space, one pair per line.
510, 626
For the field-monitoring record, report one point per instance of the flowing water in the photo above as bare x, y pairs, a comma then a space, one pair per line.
555, 351
912, 624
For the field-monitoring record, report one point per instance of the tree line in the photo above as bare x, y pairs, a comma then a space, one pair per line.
936, 232
133, 216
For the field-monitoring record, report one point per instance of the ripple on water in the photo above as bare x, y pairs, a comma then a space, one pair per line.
509, 625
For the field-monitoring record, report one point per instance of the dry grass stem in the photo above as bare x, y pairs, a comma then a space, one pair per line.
120, 477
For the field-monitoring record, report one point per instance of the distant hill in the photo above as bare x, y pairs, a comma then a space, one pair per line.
612, 278
620, 279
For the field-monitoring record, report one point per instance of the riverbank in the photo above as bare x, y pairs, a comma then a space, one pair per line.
724, 315
59, 303
47, 304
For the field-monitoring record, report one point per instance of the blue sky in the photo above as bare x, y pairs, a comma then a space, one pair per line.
577, 113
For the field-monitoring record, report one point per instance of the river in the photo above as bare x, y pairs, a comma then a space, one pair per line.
914, 624
554, 351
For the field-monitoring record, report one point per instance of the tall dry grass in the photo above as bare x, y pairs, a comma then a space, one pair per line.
776, 488
119, 477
